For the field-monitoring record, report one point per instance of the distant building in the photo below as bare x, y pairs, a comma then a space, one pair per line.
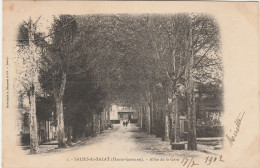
120, 113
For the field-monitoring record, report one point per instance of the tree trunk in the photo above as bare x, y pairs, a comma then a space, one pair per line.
60, 123
176, 118
58, 94
148, 110
166, 134
34, 146
93, 123
69, 134
156, 125
99, 123
151, 118
198, 104
141, 119
161, 124
192, 143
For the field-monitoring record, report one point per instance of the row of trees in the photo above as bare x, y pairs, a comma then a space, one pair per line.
168, 57
135, 60
56, 66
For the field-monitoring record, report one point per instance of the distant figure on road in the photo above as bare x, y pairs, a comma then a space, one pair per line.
126, 123
123, 123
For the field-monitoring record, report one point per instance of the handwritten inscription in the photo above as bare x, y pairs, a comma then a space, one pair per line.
188, 162
211, 159
232, 138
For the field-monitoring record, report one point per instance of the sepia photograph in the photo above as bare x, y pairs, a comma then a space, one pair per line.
110, 87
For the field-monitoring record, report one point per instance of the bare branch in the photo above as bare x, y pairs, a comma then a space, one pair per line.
36, 21
205, 54
204, 43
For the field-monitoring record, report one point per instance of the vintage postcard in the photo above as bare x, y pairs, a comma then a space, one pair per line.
130, 84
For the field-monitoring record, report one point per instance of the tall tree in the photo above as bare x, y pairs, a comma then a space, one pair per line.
28, 58
58, 61
189, 82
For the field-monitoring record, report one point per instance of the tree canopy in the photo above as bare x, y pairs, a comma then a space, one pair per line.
93, 61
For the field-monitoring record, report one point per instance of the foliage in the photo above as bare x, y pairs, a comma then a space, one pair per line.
45, 108
125, 59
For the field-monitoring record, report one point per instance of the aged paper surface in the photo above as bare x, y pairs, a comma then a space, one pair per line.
239, 29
